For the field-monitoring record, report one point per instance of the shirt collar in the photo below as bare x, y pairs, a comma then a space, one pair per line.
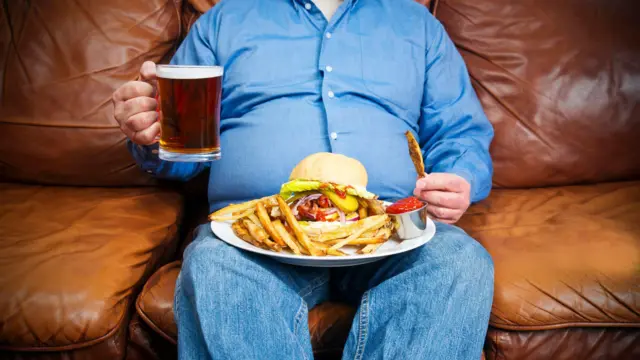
297, 3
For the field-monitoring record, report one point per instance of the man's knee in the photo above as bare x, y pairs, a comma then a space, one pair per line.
474, 264
206, 259
465, 257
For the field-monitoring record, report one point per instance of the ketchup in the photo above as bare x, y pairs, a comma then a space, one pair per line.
405, 205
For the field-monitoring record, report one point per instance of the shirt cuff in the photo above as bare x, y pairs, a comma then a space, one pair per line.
146, 156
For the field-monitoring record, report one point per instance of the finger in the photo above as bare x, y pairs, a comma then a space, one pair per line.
141, 121
444, 182
134, 89
450, 200
441, 213
147, 136
148, 72
138, 105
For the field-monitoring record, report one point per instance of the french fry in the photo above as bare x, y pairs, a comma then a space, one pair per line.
227, 212
327, 250
373, 222
254, 219
362, 212
267, 225
293, 223
259, 234
375, 208
361, 241
243, 233
416, 153
371, 248
286, 238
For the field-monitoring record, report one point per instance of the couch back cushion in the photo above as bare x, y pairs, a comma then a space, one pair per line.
560, 82
61, 61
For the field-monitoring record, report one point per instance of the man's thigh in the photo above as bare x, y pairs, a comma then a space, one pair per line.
450, 253
236, 271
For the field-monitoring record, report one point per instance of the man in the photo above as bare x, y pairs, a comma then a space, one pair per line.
346, 77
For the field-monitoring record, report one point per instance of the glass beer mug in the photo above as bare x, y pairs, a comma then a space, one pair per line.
190, 105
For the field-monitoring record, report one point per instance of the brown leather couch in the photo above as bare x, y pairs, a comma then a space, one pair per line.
90, 246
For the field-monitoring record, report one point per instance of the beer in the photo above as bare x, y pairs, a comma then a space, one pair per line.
190, 104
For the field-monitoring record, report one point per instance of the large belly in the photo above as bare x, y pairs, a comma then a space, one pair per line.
259, 151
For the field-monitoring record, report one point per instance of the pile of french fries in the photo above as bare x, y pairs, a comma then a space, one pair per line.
269, 223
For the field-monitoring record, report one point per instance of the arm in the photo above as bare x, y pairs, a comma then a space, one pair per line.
454, 131
194, 50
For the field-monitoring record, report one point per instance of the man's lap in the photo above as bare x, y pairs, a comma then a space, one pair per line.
451, 248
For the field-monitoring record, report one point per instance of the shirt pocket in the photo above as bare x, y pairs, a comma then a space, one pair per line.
393, 70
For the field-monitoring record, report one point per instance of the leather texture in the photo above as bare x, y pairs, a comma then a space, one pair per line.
147, 344
110, 348
329, 326
155, 303
73, 259
62, 60
564, 257
558, 81
563, 344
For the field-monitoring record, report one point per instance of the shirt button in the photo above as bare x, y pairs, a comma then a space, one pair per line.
329, 68
334, 135
328, 35
307, 6
331, 94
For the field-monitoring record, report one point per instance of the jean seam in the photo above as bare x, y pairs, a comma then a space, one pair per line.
313, 284
315, 287
296, 321
363, 326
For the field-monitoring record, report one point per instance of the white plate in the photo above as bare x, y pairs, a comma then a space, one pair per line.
391, 247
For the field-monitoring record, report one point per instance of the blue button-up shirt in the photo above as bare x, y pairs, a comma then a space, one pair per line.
296, 84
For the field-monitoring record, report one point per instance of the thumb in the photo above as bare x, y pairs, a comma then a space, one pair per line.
421, 182
148, 72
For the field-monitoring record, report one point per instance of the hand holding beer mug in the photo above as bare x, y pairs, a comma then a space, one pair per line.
190, 107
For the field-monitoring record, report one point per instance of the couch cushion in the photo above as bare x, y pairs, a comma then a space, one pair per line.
564, 257
71, 260
564, 344
61, 62
329, 323
558, 81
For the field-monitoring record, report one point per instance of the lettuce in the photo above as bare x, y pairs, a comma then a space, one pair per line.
295, 186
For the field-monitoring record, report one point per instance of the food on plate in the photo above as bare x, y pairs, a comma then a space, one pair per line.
323, 208
327, 188
405, 205
416, 153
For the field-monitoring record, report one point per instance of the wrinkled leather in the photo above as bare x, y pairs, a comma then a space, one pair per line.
110, 348
62, 60
155, 302
73, 259
146, 344
564, 257
563, 344
558, 79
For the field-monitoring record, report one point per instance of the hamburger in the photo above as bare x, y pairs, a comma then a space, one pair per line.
327, 190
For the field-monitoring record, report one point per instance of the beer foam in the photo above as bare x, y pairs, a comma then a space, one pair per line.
177, 72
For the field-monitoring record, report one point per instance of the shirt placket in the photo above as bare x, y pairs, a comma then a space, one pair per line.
328, 60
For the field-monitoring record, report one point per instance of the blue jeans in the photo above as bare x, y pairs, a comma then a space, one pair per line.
431, 303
